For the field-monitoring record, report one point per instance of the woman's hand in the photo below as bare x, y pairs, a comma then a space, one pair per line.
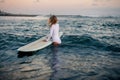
44, 40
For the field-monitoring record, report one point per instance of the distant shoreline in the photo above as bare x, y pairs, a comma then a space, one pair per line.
18, 15
15, 15
2, 13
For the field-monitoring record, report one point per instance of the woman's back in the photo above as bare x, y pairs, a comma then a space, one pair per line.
55, 30
55, 33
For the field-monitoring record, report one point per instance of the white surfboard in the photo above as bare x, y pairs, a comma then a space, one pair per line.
36, 45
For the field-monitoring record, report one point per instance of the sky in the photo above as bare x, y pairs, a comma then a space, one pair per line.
63, 7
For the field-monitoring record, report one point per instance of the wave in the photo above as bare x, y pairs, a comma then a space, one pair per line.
109, 24
14, 41
90, 42
11, 41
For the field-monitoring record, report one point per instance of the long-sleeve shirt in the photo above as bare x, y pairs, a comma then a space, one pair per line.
54, 33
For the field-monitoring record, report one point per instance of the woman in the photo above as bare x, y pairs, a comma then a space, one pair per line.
54, 31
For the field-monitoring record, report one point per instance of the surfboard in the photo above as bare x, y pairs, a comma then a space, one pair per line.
36, 45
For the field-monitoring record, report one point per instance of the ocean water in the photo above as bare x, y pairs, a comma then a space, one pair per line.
90, 49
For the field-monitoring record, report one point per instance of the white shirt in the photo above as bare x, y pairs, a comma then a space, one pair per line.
54, 33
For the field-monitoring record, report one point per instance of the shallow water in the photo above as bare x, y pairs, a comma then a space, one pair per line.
90, 49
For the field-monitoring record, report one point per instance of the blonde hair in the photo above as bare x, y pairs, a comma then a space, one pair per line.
52, 20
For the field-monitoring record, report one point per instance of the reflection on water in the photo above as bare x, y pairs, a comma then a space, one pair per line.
23, 54
54, 63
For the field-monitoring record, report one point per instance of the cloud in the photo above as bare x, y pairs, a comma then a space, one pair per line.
1, 1
102, 0
37, 0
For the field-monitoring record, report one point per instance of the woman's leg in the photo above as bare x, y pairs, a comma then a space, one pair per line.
55, 44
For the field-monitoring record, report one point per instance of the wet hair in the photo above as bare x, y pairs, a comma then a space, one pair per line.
52, 20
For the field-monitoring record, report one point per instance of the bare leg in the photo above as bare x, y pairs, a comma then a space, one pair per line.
55, 44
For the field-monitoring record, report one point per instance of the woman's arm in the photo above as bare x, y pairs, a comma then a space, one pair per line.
51, 33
